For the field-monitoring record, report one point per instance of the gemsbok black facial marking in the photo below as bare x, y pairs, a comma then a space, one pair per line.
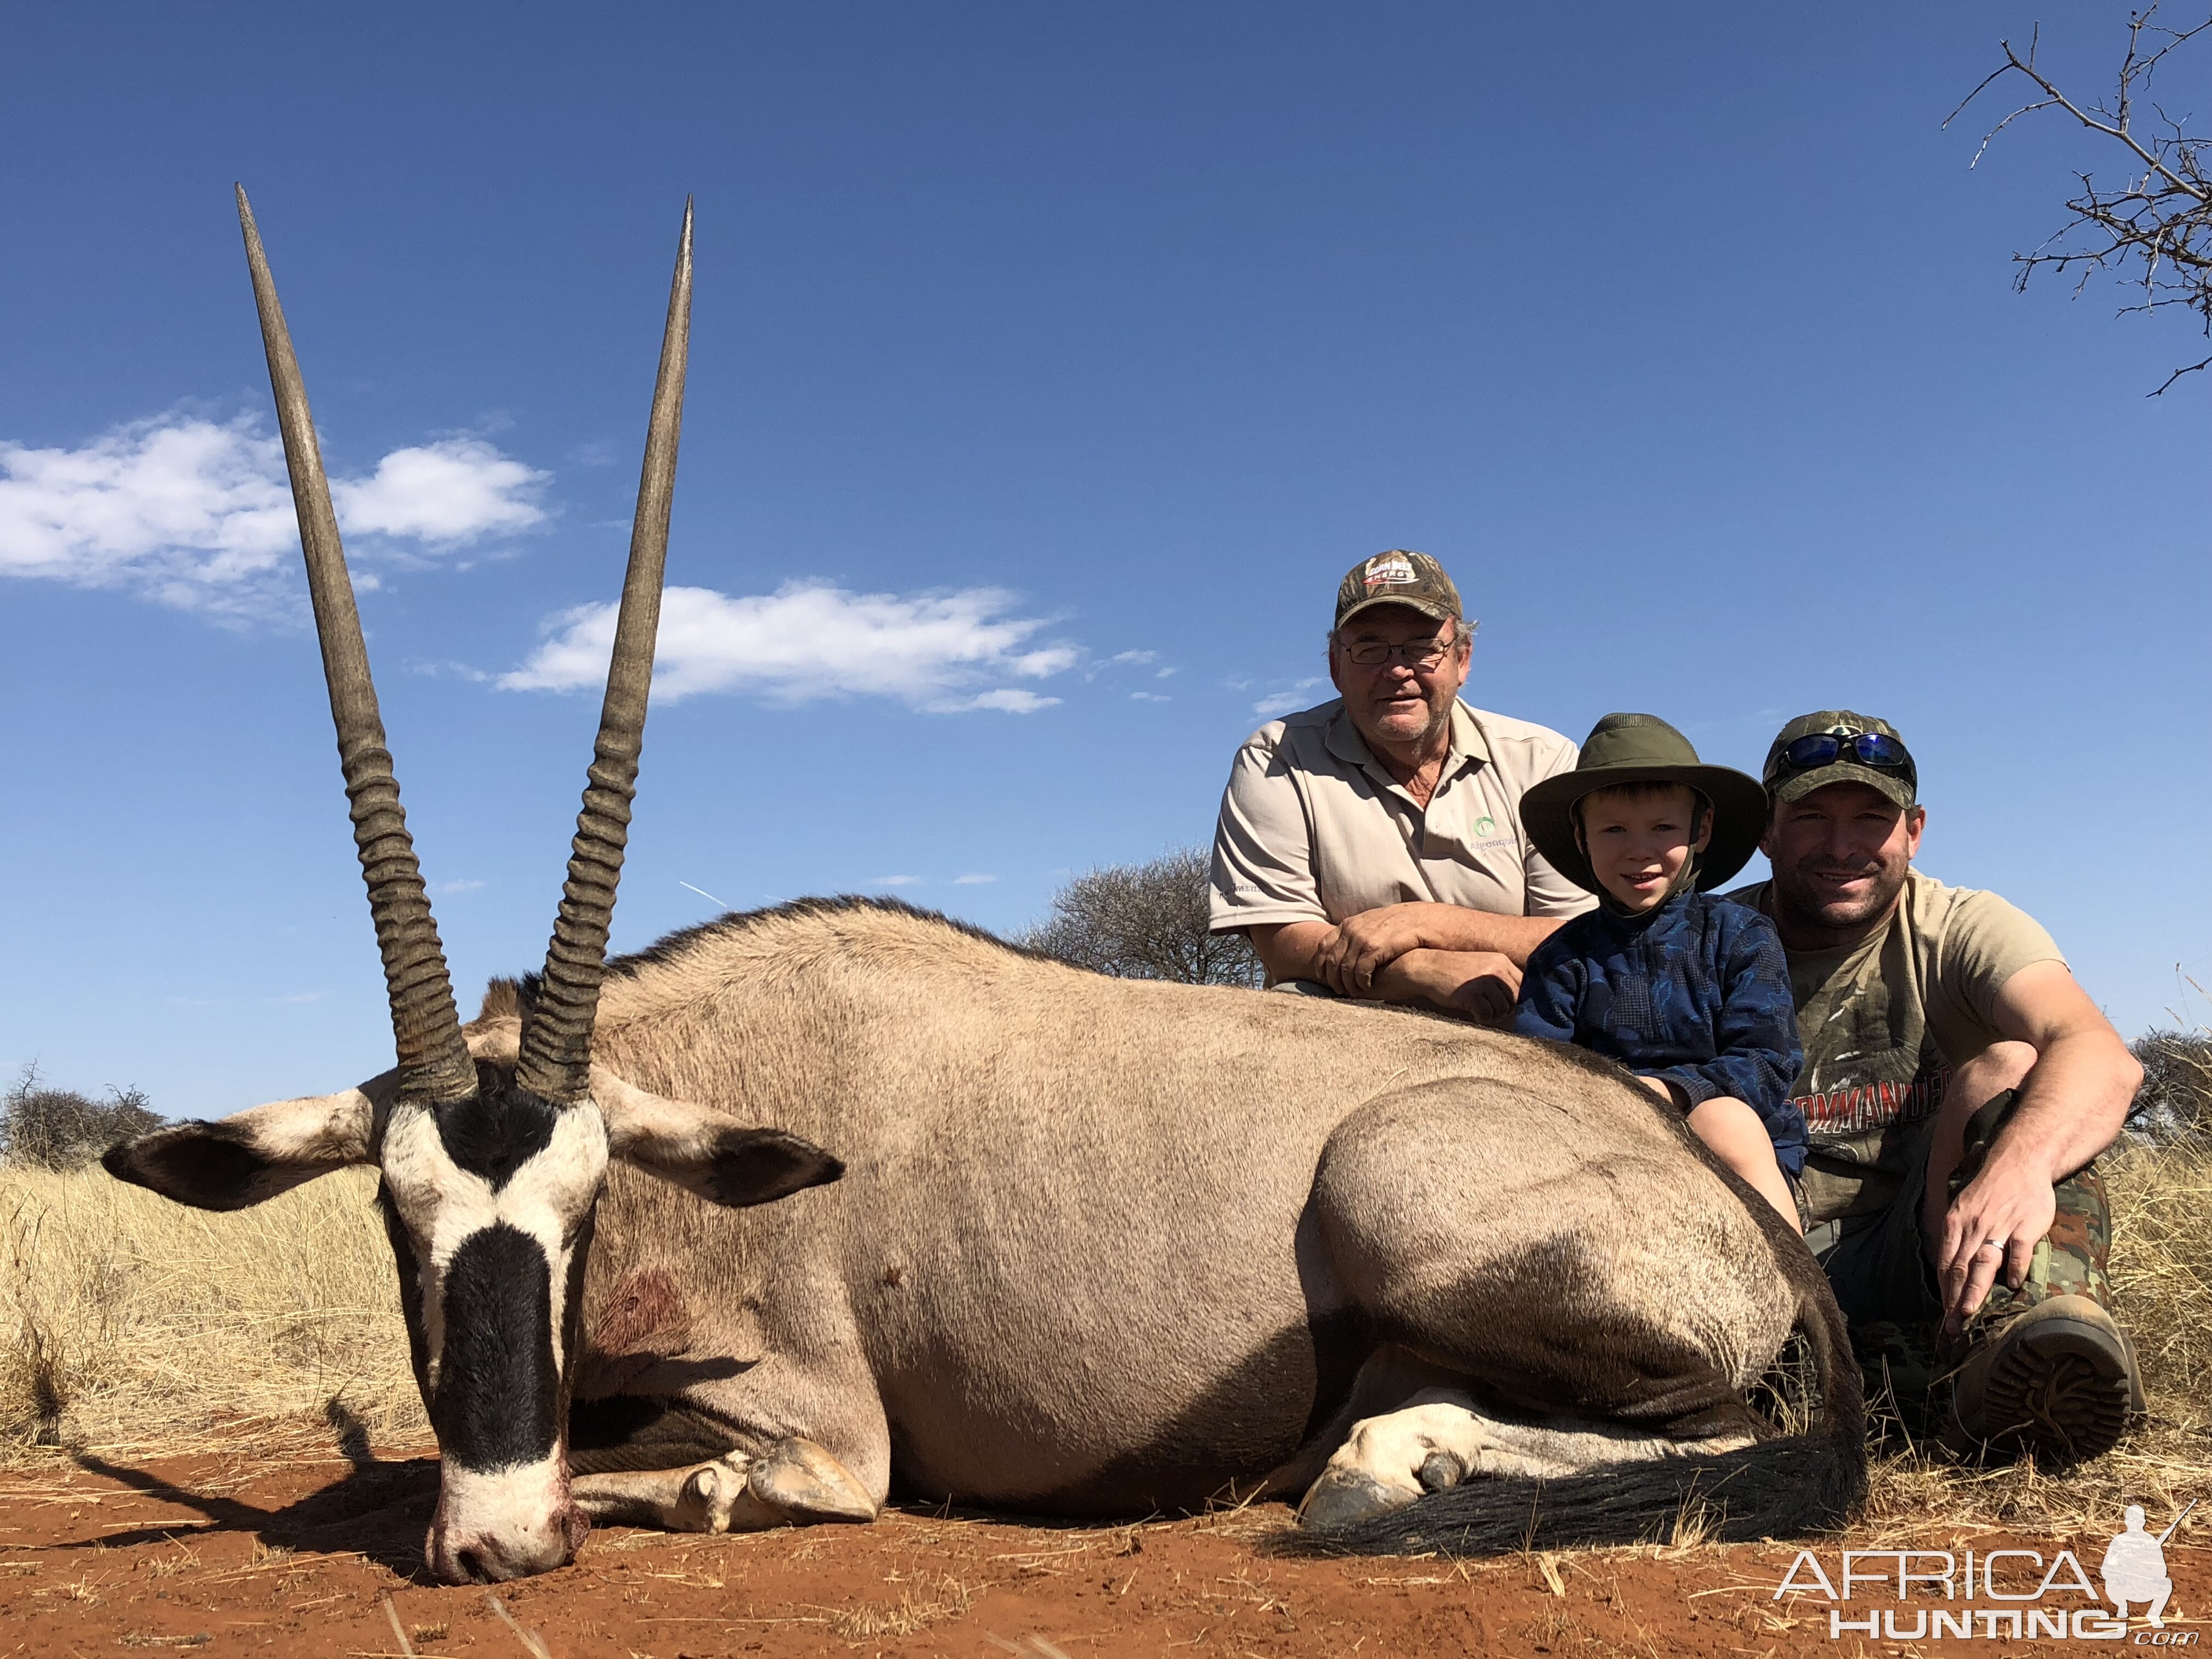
497, 1403
411, 1288
497, 1131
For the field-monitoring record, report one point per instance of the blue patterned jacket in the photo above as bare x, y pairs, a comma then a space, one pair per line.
1696, 992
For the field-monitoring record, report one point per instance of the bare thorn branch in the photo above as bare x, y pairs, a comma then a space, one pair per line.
2177, 374
2157, 223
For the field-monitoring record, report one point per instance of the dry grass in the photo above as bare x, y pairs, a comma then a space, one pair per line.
929, 1599
129, 1322
126, 1321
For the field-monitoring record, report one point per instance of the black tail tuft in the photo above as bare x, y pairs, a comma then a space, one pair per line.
1777, 1489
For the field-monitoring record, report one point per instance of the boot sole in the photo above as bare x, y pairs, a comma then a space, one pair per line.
2061, 1386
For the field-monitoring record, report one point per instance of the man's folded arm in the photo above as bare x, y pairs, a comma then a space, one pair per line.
1455, 928
1479, 983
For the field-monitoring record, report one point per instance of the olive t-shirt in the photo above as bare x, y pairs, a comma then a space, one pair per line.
1885, 1022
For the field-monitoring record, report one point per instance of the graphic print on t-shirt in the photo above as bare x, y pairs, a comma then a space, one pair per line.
1851, 1109
1872, 1070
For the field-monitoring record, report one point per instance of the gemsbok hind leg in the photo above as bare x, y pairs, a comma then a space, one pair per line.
793, 1483
1605, 1297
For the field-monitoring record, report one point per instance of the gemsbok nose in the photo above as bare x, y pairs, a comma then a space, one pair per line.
469, 1550
503, 1525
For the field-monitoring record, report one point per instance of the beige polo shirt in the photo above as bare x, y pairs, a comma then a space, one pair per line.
1313, 829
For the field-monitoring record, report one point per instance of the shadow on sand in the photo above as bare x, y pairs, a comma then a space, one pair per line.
378, 1510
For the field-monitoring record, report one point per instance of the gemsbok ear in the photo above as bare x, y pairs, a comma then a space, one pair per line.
724, 1162
253, 1155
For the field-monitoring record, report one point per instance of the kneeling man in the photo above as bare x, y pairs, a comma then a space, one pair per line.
1373, 846
1957, 1086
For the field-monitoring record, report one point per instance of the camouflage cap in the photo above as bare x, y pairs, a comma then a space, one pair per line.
1786, 782
1397, 577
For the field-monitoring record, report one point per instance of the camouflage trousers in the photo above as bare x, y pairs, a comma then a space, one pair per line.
1878, 1266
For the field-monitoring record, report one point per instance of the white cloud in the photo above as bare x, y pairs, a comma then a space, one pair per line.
1282, 703
197, 513
447, 494
972, 881
809, 640
1148, 696
895, 881
466, 884
1011, 700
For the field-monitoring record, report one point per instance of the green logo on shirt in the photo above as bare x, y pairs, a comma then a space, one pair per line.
1485, 825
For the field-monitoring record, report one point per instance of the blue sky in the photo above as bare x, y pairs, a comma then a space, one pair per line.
1051, 363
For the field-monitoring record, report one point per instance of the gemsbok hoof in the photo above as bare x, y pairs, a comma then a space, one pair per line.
1342, 1499
793, 1482
806, 1483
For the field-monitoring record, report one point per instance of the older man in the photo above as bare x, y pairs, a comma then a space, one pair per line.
1957, 1085
1372, 846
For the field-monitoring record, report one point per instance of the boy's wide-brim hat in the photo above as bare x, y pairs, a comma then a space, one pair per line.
1644, 749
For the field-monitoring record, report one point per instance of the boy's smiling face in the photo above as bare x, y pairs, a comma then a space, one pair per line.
1637, 839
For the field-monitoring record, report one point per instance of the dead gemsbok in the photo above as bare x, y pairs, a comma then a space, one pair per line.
802, 1210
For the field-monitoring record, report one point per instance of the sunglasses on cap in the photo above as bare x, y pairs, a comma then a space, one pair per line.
1809, 754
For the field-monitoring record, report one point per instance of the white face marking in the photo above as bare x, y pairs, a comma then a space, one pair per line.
440, 1204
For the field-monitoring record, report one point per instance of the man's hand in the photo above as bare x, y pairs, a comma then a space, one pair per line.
1992, 1226
1482, 985
2073, 1099
1359, 947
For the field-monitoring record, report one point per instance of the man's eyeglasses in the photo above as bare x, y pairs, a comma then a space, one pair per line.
1875, 749
1414, 654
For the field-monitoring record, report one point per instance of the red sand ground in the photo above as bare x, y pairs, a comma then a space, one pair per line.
298, 1557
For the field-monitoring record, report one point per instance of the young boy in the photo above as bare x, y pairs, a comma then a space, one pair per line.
1688, 991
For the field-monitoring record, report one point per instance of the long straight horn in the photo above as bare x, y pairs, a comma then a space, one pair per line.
555, 1063
433, 1060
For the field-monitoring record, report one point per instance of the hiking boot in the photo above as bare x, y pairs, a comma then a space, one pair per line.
2059, 1381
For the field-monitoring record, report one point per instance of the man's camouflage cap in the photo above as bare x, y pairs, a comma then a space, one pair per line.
1398, 577
1785, 783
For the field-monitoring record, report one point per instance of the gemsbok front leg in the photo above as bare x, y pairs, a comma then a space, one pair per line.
794, 1483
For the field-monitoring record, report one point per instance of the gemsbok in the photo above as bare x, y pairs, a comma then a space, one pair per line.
805, 1210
